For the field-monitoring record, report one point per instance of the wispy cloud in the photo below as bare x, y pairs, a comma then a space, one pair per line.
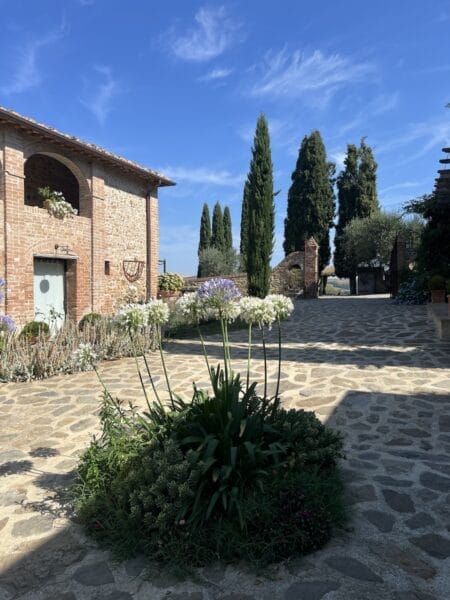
427, 136
203, 175
378, 106
216, 75
400, 186
214, 32
27, 70
338, 158
104, 89
296, 75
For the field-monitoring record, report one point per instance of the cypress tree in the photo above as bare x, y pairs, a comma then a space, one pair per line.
261, 212
311, 205
244, 228
205, 234
218, 237
227, 230
357, 194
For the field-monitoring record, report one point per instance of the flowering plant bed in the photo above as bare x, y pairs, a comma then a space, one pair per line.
228, 475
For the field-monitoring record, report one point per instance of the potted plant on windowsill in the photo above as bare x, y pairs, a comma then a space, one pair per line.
437, 288
169, 285
55, 204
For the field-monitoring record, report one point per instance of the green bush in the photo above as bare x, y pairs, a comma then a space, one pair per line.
35, 329
170, 282
437, 282
230, 476
90, 319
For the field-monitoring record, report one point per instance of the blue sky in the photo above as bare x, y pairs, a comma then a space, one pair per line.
177, 86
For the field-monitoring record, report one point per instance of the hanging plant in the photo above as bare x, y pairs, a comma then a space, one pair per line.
56, 205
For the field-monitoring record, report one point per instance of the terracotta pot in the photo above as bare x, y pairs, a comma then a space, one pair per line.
168, 294
437, 296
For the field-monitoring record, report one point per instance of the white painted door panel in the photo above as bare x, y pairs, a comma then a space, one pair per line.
49, 291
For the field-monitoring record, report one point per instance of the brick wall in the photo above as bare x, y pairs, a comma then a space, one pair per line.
112, 227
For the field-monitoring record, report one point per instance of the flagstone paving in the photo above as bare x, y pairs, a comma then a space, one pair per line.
367, 367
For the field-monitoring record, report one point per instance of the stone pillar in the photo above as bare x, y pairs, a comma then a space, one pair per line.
152, 243
18, 301
98, 241
311, 270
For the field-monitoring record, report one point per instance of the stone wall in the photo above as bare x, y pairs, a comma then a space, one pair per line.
297, 273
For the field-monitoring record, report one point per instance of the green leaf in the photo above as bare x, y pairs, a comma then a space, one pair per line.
211, 505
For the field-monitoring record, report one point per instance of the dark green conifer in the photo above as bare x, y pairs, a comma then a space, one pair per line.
261, 212
218, 234
310, 209
227, 230
205, 234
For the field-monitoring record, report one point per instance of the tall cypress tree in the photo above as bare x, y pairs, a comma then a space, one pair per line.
244, 228
357, 194
218, 237
261, 212
311, 204
227, 230
205, 234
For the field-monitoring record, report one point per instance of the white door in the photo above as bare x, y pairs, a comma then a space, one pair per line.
49, 291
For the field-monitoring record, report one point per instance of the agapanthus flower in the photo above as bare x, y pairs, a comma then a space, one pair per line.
282, 306
157, 312
133, 317
191, 307
219, 296
85, 357
257, 311
7, 324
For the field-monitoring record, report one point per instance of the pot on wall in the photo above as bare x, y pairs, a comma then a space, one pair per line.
168, 295
437, 296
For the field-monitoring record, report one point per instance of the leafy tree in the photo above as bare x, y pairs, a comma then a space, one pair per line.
218, 234
227, 229
433, 255
357, 199
261, 212
205, 234
369, 241
311, 204
244, 228
215, 262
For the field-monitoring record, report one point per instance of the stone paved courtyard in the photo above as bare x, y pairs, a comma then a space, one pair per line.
367, 367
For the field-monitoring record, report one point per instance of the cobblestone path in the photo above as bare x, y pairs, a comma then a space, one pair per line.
367, 367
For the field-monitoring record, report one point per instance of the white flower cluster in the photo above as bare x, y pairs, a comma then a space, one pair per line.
58, 207
261, 312
134, 317
282, 305
84, 357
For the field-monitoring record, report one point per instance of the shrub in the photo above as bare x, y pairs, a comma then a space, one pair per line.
412, 290
215, 263
228, 475
22, 361
35, 329
90, 319
170, 282
437, 282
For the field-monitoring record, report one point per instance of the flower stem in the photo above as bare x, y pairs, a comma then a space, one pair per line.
139, 371
225, 361
151, 378
164, 368
249, 355
204, 348
279, 359
265, 361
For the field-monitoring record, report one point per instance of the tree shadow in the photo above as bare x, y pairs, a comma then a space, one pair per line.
14, 467
378, 465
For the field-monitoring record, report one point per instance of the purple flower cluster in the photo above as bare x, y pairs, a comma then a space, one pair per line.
7, 324
218, 289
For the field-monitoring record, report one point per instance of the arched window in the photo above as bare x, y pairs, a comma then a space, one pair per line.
42, 171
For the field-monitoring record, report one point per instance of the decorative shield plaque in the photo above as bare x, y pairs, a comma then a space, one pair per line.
132, 269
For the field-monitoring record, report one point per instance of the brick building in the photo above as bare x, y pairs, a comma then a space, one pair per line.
80, 264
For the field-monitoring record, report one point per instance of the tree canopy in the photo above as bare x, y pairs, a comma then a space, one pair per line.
261, 212
311, 206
